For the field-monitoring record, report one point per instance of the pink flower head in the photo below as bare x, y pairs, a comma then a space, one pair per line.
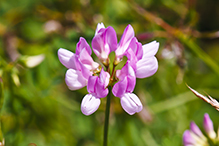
104, 42
84, 71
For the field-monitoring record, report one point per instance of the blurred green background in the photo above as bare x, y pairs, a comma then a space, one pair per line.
39, 109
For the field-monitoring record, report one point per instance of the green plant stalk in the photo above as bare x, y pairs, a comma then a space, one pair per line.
1, 93
1, 104
107, 113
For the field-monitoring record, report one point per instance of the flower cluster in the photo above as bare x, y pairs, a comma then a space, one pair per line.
194, 136
84, 71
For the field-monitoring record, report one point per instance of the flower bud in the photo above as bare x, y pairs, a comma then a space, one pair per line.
208, 126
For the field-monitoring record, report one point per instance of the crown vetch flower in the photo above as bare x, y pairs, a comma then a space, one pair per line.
97, 88
124, 88
84, 71
194, 136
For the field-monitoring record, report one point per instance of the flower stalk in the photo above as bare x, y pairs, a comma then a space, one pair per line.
107, 114
1, 104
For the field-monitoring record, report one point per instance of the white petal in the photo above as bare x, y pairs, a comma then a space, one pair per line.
66, 58
89, 104
99, 26
150, 49
146, 67
131, 103
74, 79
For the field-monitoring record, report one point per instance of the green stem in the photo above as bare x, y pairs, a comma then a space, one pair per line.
1, 93
107, 113
1, 104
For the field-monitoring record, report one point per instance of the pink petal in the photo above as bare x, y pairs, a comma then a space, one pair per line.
104, 78
67, 58
74, 79
132, 59
127, 36
111, 38
87, 60
81, 45
131, 84
127, 81
125, 71
131, 103
150, 49
89, 104
104, 42
100, 91
195, 129
97, 45
188, 139
146, 67
120, 88
97, 85
136, 47
91, 84
208, 126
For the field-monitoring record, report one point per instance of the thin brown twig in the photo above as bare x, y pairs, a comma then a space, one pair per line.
213, 102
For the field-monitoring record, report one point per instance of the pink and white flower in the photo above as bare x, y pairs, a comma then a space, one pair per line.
84, 71
124, 88
97, 88
194, 136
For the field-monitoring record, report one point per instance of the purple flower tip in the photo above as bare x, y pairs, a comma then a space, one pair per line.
195, 129
187, 138
208, 126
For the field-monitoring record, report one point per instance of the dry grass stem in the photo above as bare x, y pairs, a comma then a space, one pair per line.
213, 102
